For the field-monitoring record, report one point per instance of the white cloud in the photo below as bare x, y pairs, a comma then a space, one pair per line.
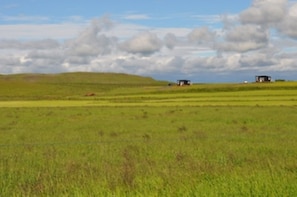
136, 17
33, 44
170, 40
201, 35
144, 43
24, 18
34, 31
209, 19
244, 38
289, 24
256, 60
264, 12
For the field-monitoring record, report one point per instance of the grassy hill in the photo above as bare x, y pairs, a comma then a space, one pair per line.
69, 85
79, 77
114, 86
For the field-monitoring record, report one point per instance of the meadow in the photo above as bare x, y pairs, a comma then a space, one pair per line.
145, 138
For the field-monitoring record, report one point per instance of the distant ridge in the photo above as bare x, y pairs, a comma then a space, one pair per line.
79, 77
73, 85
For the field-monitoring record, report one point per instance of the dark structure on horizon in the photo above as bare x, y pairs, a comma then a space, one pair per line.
183, 82
263, 78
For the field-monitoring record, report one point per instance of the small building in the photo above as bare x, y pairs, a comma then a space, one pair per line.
263, 78
183, 82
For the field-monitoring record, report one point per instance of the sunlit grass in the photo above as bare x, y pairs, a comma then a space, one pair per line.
147, 151
146, 139
238, 98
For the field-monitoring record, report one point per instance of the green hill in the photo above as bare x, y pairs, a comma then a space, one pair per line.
75, 86
69, 85
79, 77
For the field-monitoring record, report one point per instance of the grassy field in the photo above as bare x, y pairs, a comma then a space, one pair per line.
67, 86
144, 138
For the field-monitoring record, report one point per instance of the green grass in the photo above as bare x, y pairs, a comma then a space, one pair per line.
146, 138
74, 86
70, 85
148, 151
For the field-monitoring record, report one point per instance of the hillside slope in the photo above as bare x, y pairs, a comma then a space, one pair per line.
69, 85
79, 77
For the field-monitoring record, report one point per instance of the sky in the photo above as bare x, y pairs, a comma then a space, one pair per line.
203, 41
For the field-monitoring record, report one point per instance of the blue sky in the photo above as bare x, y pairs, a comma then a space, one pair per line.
205, 41
157, 13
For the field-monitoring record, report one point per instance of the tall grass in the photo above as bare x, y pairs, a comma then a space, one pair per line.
148, 151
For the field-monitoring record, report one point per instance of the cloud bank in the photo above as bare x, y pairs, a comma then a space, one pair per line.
259, 40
